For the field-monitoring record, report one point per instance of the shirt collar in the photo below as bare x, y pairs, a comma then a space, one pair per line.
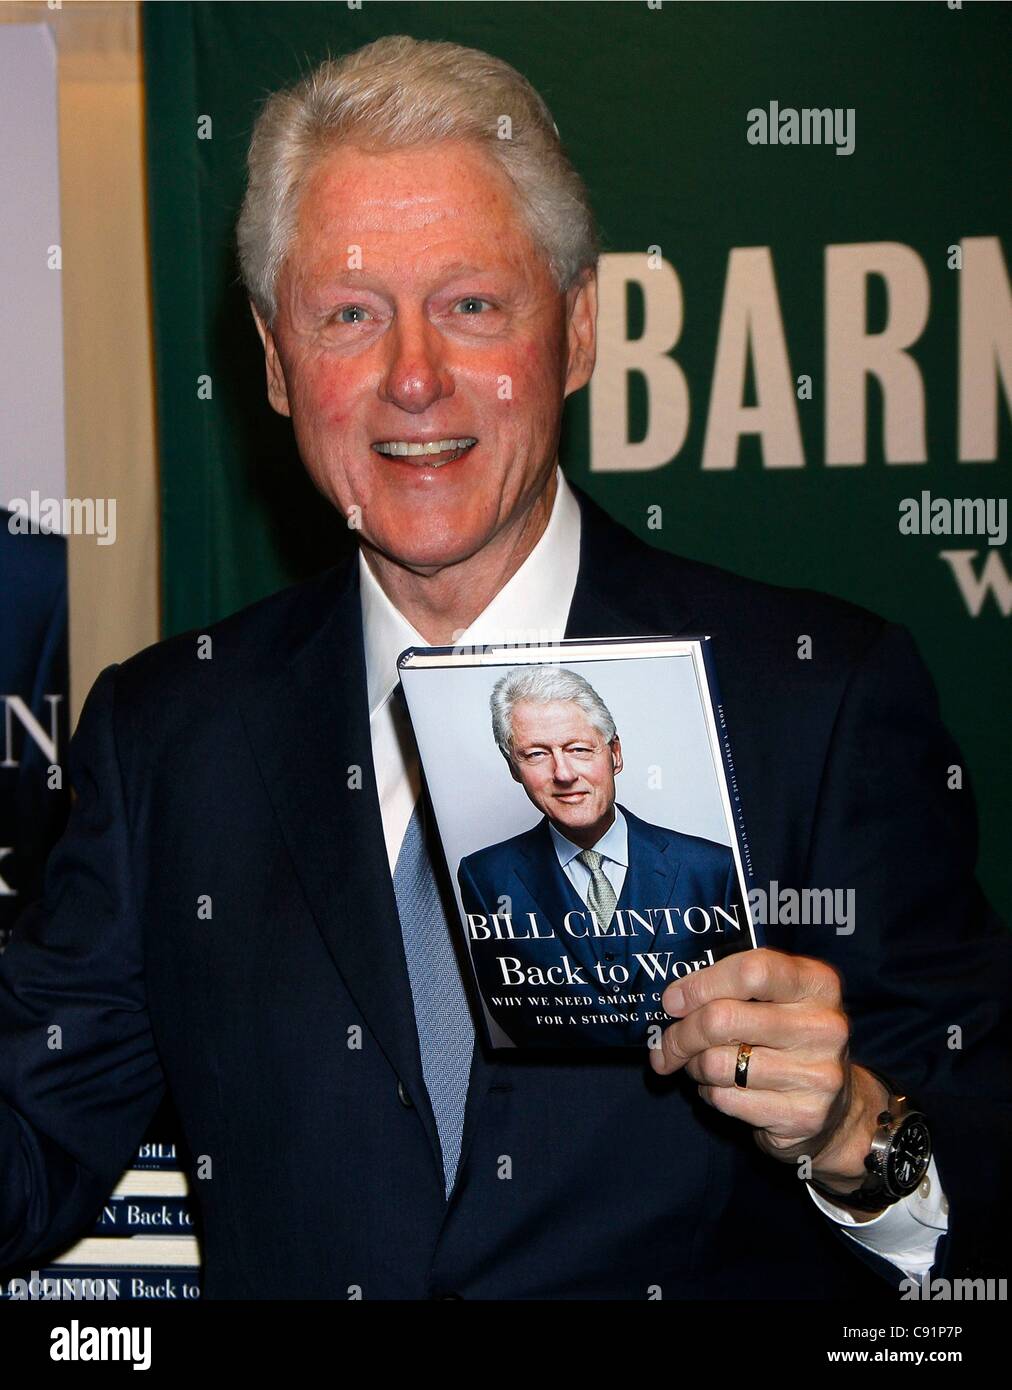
532, 606
613, 844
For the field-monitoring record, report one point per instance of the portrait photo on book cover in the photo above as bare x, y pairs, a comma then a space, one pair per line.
593, 851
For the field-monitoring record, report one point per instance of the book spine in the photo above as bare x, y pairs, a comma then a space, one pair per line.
731, 780
131, 1216
106, 1284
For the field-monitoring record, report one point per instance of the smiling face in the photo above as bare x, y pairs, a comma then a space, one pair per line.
566, 767
414, 308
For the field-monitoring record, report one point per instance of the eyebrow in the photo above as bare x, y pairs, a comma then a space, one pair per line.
547, 743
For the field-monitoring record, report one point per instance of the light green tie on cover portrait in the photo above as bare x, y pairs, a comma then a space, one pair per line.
805, 352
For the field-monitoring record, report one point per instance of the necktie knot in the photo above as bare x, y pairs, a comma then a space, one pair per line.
592, 858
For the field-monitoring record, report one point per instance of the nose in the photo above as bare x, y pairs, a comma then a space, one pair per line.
564, 770
415, 374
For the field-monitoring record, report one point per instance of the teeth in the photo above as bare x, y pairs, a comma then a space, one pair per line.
401, 448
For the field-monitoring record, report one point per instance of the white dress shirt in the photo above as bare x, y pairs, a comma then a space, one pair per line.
613, 846
534, 606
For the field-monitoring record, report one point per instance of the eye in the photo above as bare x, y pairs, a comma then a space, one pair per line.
473, 299
350, 309
582, 752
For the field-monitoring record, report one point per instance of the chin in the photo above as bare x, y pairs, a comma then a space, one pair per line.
586, 821
432, 542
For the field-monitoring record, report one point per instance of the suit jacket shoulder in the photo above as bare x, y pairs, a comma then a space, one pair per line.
633, 577
170, 691
527, 842
703, 850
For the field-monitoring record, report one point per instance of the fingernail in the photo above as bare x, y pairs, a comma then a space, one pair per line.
675, 1001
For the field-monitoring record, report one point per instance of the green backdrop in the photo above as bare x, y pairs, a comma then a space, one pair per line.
653, 106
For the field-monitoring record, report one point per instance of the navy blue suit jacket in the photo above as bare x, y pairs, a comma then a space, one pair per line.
667, 869
229, 778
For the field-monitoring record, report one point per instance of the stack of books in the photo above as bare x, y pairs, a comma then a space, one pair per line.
144, 1244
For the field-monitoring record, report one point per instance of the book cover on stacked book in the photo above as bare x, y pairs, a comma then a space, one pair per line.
145, 1241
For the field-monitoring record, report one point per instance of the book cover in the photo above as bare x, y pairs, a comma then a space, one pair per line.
587, 808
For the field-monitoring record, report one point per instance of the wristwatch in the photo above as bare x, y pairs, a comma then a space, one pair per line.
899, 1156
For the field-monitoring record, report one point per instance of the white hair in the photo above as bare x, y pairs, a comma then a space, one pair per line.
391, 94
542, 685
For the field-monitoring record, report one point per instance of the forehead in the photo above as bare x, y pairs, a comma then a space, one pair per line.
445, 202
557, 717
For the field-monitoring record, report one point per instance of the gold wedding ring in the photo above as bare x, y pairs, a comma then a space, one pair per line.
741, 1065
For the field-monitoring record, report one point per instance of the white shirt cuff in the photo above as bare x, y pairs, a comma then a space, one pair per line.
907, 1232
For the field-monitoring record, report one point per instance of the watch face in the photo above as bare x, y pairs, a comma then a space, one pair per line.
909, 1156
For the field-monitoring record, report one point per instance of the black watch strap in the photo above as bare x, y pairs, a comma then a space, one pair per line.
875, 1194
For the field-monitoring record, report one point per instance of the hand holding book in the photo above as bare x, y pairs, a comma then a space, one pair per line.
799, 1091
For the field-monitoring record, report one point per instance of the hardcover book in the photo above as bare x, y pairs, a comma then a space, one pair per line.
587, 808
114, 1267
91, 1281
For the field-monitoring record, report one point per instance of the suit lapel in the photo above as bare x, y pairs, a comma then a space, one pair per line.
309, 729
653, 871
649, 882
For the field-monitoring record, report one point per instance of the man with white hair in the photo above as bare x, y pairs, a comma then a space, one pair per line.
244, 908
572, 881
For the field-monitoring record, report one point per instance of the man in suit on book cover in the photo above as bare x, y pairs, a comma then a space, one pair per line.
244, 909
561, 890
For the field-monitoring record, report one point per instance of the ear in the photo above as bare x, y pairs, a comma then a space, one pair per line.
277, 390
581, 329
616, 754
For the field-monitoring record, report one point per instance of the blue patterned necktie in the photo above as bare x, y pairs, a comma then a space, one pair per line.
442, 1016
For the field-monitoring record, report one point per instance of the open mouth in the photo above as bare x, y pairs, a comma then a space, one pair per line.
432, 453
